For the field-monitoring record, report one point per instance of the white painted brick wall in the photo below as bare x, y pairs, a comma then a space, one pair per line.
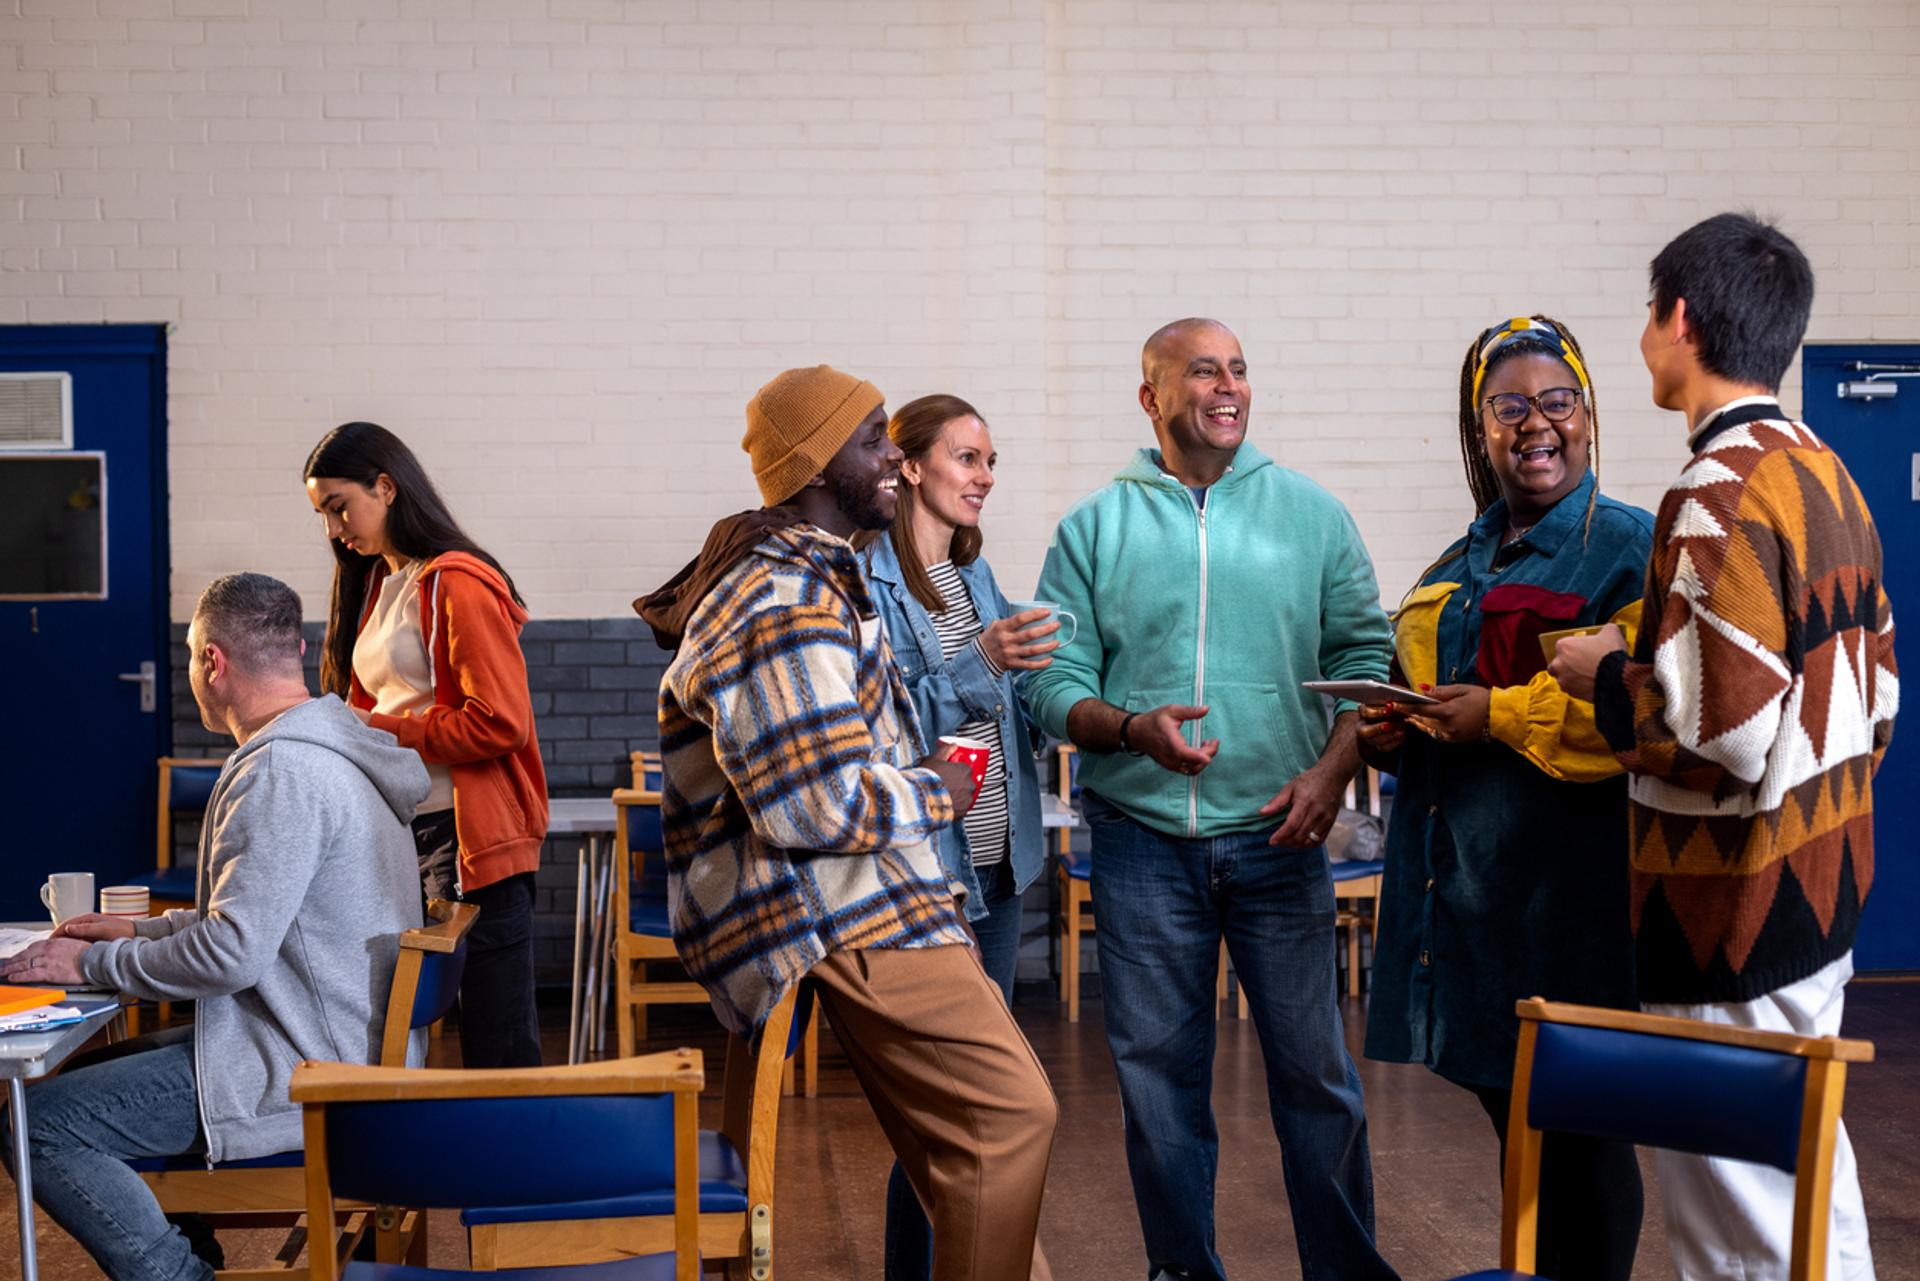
558, 243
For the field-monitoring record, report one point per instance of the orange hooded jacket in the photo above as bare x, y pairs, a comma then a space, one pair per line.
481, 723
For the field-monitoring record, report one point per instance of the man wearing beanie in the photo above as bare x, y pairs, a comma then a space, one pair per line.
801, 815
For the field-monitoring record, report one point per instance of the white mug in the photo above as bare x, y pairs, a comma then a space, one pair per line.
68, 894
1069, 624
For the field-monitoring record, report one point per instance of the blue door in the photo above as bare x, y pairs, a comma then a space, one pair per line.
83, 609
1875, 427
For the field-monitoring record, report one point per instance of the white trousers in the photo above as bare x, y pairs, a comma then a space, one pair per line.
1734, 1219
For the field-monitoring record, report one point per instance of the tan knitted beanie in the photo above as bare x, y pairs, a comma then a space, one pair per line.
798, 422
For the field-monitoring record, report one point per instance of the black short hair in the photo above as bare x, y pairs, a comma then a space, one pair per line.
255, 619
1749, 292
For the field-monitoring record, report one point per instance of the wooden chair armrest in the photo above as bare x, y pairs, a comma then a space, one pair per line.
353, 1082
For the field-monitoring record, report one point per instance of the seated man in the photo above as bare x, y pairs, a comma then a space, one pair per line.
306, 878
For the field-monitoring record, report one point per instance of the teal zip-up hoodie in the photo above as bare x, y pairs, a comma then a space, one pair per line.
1230, 606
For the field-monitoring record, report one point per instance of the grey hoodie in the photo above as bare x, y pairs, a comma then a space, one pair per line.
307, 875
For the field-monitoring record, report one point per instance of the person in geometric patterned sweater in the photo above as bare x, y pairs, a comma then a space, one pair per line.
1751, 716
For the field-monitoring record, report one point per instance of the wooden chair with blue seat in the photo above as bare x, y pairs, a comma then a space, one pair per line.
1073, 874
186, 785
500, 1138
736, 1190
643, 935
1356, 883
270, 1191
1767, 1097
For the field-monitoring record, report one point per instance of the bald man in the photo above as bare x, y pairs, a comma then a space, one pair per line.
1208, 583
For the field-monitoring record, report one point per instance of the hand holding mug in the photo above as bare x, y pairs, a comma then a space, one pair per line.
1016, 644
956, 777
1045, 607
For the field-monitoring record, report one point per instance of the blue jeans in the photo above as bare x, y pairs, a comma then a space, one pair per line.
909, 1246
83, 1126
1163, 904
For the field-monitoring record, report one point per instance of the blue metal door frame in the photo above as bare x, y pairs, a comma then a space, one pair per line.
82, 793
1879, 440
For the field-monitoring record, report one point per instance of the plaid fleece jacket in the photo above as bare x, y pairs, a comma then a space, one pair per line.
1752, 715
795, 822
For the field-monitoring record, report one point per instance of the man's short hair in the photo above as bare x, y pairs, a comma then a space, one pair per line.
254, 619
1749, 292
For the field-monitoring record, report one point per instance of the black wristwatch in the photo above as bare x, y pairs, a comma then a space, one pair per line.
1125, 746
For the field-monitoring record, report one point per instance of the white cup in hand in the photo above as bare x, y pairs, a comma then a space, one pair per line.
1067, 620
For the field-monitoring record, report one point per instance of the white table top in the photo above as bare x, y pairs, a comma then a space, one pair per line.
580, 814
1055, 812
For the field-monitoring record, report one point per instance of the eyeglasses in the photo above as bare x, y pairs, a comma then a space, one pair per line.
1556, 405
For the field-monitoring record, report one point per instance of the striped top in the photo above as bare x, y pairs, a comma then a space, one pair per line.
958, 625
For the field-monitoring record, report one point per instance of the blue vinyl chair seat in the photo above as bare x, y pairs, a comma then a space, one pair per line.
649, 916
158, 1164
175, 883
1079, 864
1357, 870
723, 1190
648, 1267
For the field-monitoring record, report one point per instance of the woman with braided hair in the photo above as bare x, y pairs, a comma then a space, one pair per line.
1506, 870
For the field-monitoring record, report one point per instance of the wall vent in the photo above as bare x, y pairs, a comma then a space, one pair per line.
36, 411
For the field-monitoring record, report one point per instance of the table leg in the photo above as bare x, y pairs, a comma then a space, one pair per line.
22, 1177
603, 949
579, 958
587, 1011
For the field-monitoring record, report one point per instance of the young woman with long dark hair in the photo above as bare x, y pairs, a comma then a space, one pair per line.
423, 641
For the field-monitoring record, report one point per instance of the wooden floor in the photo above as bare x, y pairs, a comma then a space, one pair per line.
1435, 1182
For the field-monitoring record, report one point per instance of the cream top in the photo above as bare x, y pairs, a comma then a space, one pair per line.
390, 658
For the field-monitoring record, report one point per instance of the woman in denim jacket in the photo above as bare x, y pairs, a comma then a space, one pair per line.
963, 660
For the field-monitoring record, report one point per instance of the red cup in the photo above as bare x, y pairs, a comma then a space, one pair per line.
972, 753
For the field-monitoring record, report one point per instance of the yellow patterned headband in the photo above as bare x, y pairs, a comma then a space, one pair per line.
1538, 330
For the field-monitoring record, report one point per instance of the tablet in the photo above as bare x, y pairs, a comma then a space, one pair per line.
1550, 641
1369, 692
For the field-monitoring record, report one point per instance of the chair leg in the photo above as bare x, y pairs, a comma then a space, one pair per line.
623, 1008
1071, 970
810, 1045
1353, 957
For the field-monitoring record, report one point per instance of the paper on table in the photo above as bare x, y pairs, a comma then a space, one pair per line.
45, 1017
13, 940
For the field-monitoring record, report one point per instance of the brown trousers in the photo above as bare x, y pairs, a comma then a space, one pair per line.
959, 1092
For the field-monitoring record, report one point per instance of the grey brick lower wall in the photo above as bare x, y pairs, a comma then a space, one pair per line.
595, 685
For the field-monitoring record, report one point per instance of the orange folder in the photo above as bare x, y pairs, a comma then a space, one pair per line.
15, 999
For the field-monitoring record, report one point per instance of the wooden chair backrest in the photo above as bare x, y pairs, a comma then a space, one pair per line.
163, 850
1686, 1061
317, 1086
448, 929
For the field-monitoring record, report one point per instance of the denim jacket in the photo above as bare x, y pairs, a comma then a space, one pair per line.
949, 694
